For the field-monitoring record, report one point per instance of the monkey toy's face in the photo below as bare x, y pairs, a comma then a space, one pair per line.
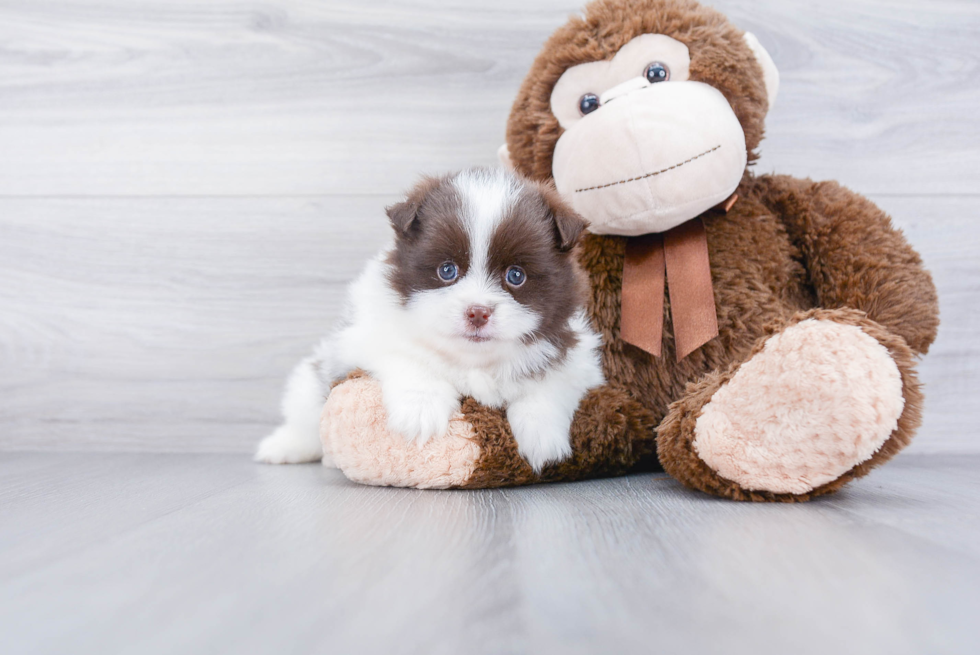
645, 128
644, 147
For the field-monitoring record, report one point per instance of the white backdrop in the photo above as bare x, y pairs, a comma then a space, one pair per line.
186, 186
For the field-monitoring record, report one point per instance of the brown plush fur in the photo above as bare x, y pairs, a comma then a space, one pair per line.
788, 249
612, 434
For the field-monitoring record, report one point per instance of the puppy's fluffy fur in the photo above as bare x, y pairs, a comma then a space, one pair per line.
479, 296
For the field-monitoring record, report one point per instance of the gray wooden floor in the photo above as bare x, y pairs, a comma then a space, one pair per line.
151, 553
186, 186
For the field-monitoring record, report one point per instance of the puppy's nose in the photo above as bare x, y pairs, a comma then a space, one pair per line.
478, 315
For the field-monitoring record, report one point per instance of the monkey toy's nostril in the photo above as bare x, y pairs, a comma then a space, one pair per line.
478, 315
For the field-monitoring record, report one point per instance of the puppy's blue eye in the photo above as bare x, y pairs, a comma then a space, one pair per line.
588, 103
448, 272
516, 276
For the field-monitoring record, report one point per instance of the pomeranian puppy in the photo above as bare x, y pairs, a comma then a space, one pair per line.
480, 296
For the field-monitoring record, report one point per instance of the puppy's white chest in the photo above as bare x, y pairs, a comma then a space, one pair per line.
483, 387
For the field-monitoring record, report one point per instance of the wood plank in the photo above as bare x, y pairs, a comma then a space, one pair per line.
128, 323
170, 324
947, 235
112, 97
298, 558
115, 494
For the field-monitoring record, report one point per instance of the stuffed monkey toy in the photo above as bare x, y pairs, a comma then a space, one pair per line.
760, 332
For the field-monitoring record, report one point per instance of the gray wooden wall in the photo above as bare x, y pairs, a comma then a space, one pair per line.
187, 185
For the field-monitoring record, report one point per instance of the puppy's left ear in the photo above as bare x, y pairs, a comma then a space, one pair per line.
568, 224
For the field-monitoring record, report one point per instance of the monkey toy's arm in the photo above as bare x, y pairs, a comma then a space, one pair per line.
612, 433
854, 257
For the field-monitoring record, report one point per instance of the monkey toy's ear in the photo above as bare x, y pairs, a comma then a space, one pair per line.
503, 154
770, 75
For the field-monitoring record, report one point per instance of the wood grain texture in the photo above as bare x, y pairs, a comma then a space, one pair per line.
286, 97
209, 553
186, 187
166, 324
947, 235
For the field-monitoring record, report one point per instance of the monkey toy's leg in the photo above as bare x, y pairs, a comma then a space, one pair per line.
832, 393
611, 434
824, 399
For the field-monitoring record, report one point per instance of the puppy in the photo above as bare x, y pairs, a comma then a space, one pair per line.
480, 296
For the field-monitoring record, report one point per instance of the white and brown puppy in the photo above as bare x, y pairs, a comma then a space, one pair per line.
480, 296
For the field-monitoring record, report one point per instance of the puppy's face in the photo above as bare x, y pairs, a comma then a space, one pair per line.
483, 257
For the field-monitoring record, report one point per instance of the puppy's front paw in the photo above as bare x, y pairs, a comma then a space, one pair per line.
419, 414
542, 436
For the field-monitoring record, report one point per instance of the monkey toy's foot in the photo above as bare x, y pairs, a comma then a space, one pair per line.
816, 404
611, 434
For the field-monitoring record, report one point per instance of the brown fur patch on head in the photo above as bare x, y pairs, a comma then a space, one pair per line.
538, 235
719, 57
428, 233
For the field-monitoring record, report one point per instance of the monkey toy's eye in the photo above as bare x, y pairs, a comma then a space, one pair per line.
516, 276
448, 272
588, 103
656, 72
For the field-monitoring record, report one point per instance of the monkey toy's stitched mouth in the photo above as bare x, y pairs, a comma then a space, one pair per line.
645, 176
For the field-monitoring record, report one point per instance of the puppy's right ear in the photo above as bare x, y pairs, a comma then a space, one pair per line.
405, 215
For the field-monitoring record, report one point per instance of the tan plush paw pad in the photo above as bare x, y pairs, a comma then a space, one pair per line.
818, 399
354, 431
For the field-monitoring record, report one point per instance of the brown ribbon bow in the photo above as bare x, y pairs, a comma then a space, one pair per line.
681, 253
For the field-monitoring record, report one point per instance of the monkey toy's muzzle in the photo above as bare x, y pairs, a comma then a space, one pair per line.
650, 157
